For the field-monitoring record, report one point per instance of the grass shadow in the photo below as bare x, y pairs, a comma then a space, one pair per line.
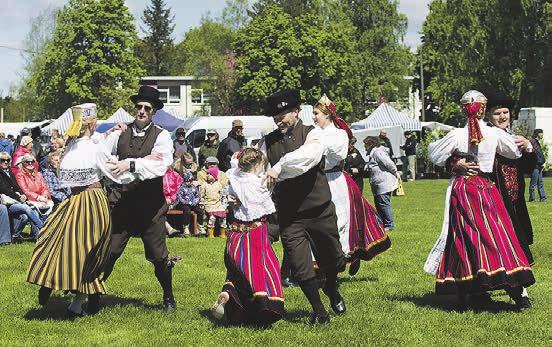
224, 324
356, 279
449, 303
296, 316
56, 308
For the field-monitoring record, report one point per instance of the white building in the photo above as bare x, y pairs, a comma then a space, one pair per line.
182, 95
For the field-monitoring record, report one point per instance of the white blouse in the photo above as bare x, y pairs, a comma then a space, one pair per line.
494, 141
302, 159
336, 145
85, 162
255, 198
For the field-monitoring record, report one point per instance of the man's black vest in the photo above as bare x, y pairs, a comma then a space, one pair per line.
304, 192
130, 146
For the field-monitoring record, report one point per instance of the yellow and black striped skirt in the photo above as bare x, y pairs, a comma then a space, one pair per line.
73, 245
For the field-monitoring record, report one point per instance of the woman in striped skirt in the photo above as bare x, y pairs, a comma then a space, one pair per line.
478, 249
73, 244
361, 231
252, 293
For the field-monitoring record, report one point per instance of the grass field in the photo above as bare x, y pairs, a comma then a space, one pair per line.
390, 301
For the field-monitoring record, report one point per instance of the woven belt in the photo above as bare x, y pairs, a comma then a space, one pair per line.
95, 185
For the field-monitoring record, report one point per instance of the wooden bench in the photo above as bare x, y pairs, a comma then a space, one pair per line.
194, 225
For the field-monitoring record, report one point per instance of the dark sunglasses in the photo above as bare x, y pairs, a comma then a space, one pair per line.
146, 108
5, 160
29, 162
180, 134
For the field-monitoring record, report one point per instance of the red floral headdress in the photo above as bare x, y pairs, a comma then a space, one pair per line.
328, 107
474, 103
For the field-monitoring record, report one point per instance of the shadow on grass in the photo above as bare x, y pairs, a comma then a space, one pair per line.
56, 308
355, 279
449, 303
224, 324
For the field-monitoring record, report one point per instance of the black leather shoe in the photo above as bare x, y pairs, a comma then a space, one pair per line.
17, 240
169, 305
319, 318
43, 295
288, 282
93, 305
338, 304
354, 267
523, 303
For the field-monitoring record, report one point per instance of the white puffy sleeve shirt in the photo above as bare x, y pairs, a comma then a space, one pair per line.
255, 198
85, 162
336, 145
494, 141
145, 168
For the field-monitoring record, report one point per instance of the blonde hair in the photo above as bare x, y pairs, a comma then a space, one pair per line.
250, 158
5, 155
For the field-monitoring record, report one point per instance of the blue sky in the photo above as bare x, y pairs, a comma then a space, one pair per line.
15, 17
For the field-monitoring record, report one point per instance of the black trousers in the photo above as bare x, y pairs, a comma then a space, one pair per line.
138, 217
320, 226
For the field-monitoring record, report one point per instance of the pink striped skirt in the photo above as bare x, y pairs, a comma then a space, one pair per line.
482, 251
253, 275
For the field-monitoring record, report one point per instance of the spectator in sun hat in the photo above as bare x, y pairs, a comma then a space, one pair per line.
25, 147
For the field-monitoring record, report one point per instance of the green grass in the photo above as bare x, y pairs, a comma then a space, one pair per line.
390, 301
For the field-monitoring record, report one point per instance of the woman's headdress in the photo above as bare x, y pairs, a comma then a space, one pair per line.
473, 103
81, 115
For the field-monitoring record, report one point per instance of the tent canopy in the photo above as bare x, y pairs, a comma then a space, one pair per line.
61, 124
166, 120
386, 116
120, 116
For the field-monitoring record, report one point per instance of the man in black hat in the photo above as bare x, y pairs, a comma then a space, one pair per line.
303, 200
139, 208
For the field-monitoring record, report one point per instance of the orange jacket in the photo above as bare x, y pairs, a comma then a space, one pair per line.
32, 185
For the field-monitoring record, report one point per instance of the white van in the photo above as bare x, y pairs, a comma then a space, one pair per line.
254, 128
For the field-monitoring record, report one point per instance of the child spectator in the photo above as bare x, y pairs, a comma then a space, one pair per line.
171, 183
211, 202
185, 163
188, 200
252, 292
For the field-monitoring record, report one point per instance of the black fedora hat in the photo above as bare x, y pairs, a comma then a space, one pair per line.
150, 94
279, 102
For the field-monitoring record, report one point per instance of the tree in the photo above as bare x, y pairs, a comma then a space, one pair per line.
89, 59
206, 53
382, 60
156, 49
489, 46
275, 51
235, 14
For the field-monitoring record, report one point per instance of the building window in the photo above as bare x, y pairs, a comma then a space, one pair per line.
197, 96
169, 95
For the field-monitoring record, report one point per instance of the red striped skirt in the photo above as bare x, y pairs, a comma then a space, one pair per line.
482, 251
367, 235
253, 275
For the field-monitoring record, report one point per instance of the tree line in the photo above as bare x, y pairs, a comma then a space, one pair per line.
352, 50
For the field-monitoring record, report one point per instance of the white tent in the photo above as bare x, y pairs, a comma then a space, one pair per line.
61, 124
120, 116
394, 134
437, 125
387, 116
15, 128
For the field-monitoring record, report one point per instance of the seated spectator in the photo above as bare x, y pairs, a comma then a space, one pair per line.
33, 185
5, 144
181, 144
185, 163
202, 174
188, 199
50, 176
171, 183
57, 143
15, 200
25, 147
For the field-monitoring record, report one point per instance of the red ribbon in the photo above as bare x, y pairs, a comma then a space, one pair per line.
474, 131
340, 123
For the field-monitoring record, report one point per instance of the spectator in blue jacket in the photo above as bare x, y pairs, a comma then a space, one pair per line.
6, 145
